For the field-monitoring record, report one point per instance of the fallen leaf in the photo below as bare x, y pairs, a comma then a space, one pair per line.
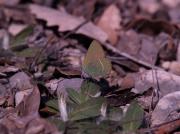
167, 109
30, 104
151, 6
67, 22
21, 81
172, 3
167, 82
95, 64
9, 3
152, 27
110, 23
173, 67
140, 46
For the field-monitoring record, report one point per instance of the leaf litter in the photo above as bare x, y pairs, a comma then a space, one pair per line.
89, 66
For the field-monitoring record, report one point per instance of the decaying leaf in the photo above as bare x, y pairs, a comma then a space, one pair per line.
30, 104
167, 82
21, 81
167, 109
67, 22
110, 23
74, 83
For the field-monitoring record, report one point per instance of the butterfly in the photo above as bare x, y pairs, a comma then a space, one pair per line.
95, 64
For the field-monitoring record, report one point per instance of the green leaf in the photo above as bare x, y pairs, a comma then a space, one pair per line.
58, 123
90, 89
53, 104
20, 38
95, 64
88, 109
133, 117
76, 97
91, 127
114, 114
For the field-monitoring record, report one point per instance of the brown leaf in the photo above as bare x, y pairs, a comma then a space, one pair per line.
151, 27
62, 84
167, 109
9, 3
30, 104
39, 125
20, 81
167, 82
138, 45
110, 23
67, 22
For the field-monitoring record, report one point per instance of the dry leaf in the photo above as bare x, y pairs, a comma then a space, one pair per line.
167, 82
110, 23
173, 67
67, 22
21, 81
30, 104
167, 109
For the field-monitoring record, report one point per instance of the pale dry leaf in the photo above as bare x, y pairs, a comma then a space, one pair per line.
167, 82
9, 2
74, 83
110, 22
171, 3
150, 6
173, 67
166, 109
20, 81
67, 22
30, 104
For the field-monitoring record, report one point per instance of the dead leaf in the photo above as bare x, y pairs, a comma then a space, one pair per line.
67, 22
167, 82
171, 3
9, 3
140, 46
30, 104
173, 67
74, 83
110, 23
151, 27
21, 81
128, 81
39, 125
151, 6
167, 109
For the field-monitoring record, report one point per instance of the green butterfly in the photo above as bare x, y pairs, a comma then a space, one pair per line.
95, 63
